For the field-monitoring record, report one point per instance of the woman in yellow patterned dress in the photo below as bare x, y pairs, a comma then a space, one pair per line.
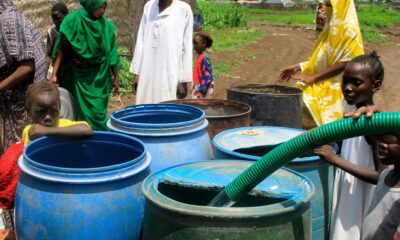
339, 42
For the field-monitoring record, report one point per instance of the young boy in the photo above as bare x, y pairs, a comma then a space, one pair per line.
383, 215
43, 104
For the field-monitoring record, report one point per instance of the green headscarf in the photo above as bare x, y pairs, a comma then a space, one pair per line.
91, 5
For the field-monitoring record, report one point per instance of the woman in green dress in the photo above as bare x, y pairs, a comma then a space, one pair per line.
86, 61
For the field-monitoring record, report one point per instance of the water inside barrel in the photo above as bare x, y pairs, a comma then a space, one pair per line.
202, 195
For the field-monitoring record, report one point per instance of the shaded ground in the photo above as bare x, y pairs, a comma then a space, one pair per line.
284, 45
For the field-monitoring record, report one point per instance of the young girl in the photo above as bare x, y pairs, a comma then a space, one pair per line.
203, 81
43, 104
362, 77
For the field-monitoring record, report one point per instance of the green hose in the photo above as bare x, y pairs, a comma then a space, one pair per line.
387, 122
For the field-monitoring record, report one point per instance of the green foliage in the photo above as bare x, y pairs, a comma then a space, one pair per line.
223, 15
125, 76
378, 16
372, 17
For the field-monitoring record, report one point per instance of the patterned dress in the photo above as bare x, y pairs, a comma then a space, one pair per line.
19, 41
340, 40
203, 81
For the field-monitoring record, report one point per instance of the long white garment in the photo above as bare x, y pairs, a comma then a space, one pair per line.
351, 196
163, 52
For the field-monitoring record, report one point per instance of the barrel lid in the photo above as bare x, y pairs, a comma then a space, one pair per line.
283, 183
232, 142
254, 136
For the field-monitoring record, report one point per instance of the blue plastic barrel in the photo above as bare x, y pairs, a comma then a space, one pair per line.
173, 133
81, 189
241, 143
177, 198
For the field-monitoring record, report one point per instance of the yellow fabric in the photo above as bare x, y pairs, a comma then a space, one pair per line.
61, 123
340, 40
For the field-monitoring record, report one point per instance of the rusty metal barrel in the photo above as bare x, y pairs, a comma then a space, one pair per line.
272, 105
221, 114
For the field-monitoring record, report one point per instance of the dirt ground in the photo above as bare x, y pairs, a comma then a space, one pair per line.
284, 45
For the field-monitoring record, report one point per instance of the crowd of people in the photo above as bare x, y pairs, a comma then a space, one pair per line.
71, 99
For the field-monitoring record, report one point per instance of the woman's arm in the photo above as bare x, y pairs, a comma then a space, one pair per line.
24, 72
288, 72
362, 173
327, 73
57, 63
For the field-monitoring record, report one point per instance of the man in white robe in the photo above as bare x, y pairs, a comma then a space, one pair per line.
162, 60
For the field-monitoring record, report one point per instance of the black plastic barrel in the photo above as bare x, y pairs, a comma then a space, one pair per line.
272, 105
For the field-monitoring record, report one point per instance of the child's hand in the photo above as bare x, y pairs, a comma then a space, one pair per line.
326, 153
367, 110
38, 131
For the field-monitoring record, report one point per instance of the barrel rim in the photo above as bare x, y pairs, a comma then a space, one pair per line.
252, 157
84, 175
114, 117
244, 113
235, 89
149, 189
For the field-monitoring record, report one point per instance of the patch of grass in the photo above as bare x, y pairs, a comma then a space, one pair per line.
230, 39
221, 69
374, 17
297, 16
234, 38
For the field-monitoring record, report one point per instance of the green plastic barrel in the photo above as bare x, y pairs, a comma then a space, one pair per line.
176, 204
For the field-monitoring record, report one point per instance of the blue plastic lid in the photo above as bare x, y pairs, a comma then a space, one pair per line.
233, 142
254, 136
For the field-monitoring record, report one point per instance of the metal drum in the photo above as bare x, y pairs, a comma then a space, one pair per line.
272, 105
221, 114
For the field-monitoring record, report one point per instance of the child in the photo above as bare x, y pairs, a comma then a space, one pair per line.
58, 12
320, 17
43, 104
203, 84
362, 77
383, 215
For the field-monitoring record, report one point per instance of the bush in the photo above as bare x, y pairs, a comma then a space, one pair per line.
223, 15
125, 76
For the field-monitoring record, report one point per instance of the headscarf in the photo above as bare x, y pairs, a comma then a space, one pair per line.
91, 5
340, 40
90, 38
22, 41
